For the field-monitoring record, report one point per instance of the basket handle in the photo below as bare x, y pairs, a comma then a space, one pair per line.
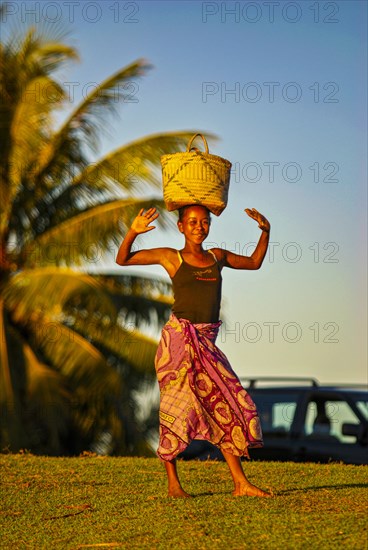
189, 148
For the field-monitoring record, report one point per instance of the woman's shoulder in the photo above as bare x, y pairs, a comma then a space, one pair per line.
170, 259
220, 254
166, 251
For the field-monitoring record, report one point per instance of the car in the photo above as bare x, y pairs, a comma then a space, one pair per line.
303, 421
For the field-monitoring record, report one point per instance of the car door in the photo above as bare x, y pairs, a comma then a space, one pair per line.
276, 408
322, 437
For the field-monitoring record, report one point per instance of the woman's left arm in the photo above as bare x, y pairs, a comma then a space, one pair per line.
237, 261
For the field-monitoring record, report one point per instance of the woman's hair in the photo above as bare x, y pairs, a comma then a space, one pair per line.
183, 209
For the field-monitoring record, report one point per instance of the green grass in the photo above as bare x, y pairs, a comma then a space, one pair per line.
104, 502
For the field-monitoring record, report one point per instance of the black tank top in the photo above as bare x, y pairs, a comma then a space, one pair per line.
197, 292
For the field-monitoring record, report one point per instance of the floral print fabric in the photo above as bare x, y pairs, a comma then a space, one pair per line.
201, 397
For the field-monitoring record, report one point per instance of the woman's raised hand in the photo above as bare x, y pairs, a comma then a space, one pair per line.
141, 222
263, 223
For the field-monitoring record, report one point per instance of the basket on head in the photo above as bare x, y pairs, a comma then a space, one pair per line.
195, 177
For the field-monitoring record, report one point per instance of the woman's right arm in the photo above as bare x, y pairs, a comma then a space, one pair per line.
141, 224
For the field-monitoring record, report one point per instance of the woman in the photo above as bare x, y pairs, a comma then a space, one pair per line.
200, 395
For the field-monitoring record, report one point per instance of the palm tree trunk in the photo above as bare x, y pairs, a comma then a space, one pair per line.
4, 262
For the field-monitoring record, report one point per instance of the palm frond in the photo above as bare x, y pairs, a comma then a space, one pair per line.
44, 384
47, 402
38, 49
154, 289
73, 356
88, 119
32, 293
140, 301
87, 235
133, 165
125, 342
31, 125
80, 388
50, 56
28, 97
35, 299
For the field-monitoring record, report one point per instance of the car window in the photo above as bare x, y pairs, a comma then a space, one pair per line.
324, 420
276, 412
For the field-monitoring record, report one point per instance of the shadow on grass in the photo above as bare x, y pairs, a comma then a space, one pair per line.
304, 489
210, 494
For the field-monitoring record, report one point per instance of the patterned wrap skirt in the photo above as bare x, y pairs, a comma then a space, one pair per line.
201, 397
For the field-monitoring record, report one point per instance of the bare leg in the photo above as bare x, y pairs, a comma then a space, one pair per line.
175, 489
243, 487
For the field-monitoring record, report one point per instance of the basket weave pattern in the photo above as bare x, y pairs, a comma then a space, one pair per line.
195, 177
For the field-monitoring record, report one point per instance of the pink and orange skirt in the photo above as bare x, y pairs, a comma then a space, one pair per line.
201, 397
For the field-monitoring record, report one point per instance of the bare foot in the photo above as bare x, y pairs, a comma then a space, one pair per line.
178, 492
246, 489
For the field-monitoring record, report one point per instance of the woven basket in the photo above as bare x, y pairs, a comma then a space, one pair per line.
195, 177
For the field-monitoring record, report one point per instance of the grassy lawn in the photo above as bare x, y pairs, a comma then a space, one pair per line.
104, 502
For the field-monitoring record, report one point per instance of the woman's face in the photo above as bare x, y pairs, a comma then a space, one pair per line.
195, 224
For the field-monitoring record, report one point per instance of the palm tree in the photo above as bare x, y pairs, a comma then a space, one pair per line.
67, 344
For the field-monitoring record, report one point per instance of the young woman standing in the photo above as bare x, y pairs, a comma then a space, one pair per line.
200, 395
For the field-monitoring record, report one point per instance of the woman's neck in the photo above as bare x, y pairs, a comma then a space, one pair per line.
194, 249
